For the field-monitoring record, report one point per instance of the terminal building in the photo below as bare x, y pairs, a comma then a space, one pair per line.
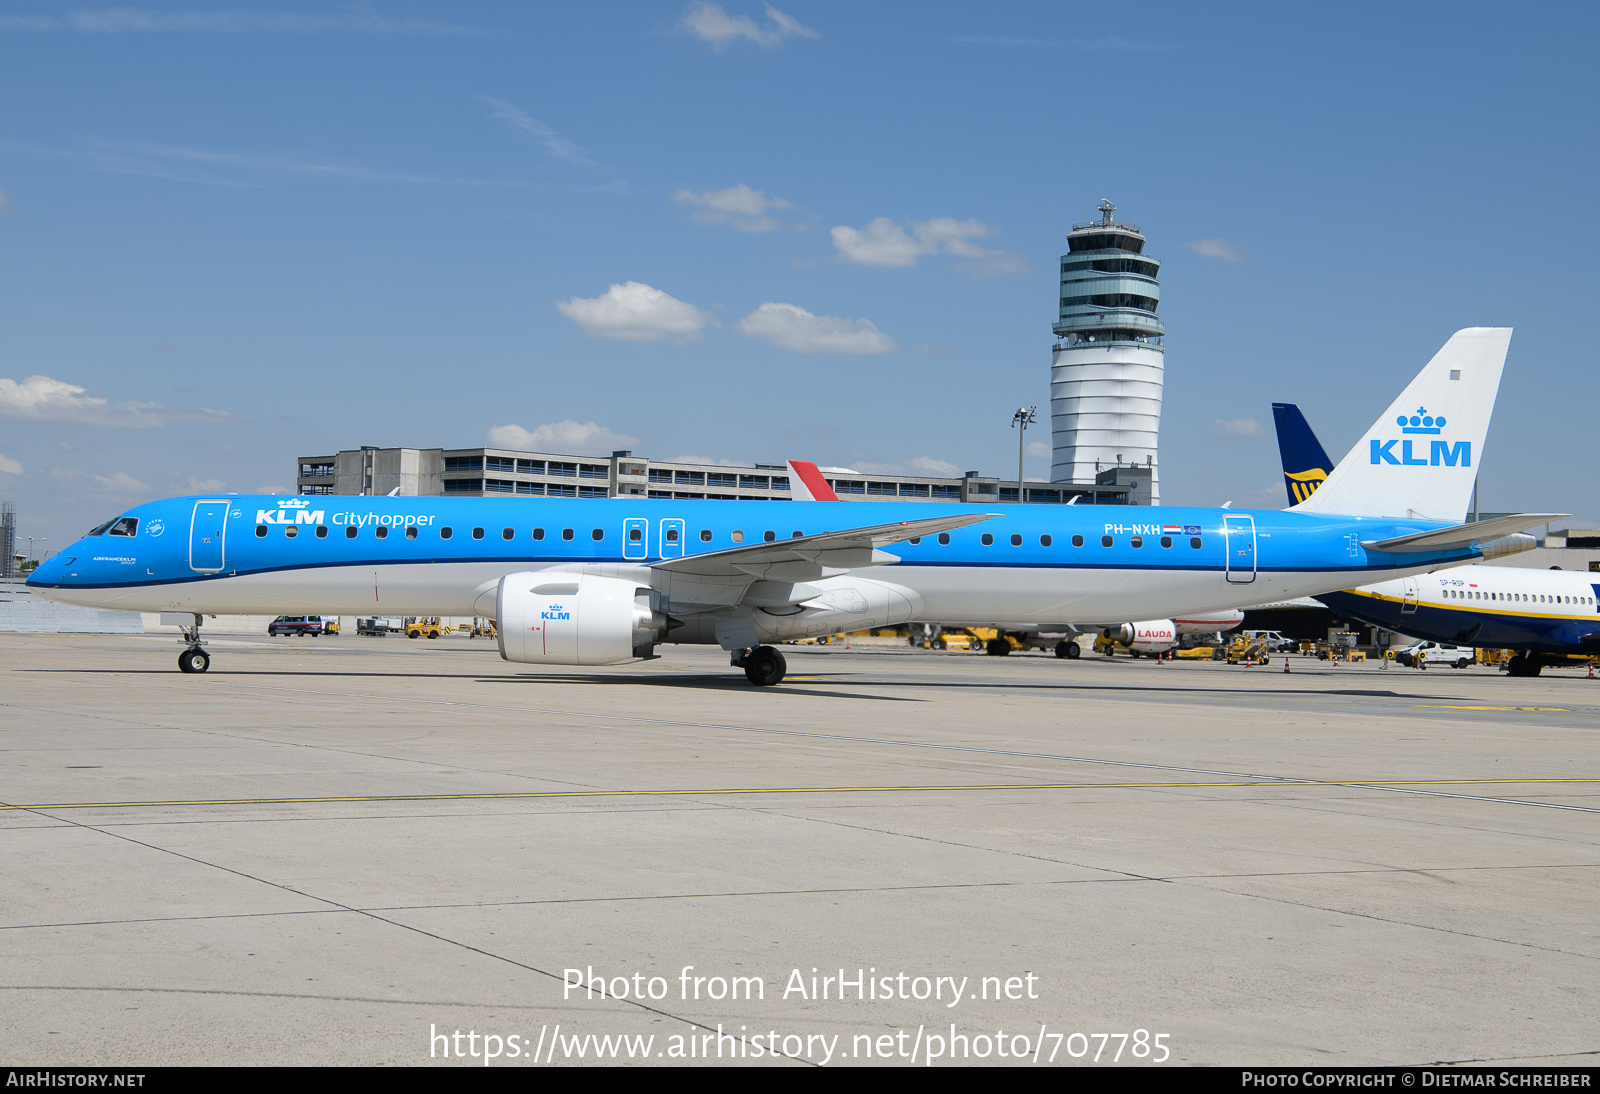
495, 472
1107, 369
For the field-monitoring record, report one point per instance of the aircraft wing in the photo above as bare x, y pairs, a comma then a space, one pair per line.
1461, 535
808, 556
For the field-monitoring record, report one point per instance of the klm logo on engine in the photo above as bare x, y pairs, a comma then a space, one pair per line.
1440, 453
555, 612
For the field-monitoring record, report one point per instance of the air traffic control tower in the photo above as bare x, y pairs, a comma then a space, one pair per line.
1107, 372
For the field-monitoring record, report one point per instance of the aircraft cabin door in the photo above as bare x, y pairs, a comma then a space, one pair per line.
1408, 597
671, 542
1239, 541
636, 539
207, 530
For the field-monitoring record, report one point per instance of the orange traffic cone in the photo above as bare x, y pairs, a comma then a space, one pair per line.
1286, 666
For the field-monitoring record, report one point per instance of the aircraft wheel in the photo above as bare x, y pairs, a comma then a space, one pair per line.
997, 647
1074, 651
194, 661
1064, 649
764, 666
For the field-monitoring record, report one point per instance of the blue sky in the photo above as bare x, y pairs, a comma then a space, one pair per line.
235, 235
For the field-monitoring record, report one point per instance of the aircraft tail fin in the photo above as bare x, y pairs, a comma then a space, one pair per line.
807, 484
1305, 463
1421, 458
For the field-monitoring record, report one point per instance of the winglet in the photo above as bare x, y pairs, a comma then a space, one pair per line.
807, 484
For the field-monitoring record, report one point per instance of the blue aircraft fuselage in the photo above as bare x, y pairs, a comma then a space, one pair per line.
1027, 564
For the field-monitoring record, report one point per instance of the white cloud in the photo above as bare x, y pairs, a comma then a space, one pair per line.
789, 327
10, 466
919, 465
130, 20
1214, 248
578, 438
927, 465
880, 243
1236, 427
740, 206
41, 399
885, 243
554, 143
635, 312
198, 165
1040, 450
709, 460
118, 482
272, 490
206, 486
709, 23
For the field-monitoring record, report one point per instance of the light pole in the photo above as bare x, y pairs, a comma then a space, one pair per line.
1020, 421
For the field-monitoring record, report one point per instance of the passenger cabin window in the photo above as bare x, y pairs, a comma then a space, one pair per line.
1077, 541
797, 535
477, 533
411, 531
738, 536
705, 535
1044, 541
1194, 541
769, 535
672, 535
986, 539
635, 535
322, 531
291, 531
598, 534
1166, 541
261, 530
566, 533
507, 533
914, 540
538, 533
382, 531
1136, 541
944, 539
1105, 541
1016, 540
350, 532
126, 526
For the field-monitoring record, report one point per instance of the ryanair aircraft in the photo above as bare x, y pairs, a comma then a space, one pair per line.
603, 582
1537, 612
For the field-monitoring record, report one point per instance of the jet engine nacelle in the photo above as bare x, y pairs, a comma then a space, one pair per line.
547, 618
1151, 636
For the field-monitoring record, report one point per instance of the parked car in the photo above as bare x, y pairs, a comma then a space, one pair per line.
1436, 653
299, 625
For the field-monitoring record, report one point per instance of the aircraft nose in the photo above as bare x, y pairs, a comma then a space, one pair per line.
53, 570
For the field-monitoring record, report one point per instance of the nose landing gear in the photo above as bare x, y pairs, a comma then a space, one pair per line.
193, 658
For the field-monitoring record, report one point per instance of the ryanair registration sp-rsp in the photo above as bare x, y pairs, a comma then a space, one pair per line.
603, 582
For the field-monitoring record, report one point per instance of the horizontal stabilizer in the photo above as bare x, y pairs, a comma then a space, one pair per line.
834, 550
1461, 535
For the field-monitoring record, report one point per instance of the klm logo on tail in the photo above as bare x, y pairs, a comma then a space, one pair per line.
1440, 453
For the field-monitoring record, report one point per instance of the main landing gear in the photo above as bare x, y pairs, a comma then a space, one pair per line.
763, 666
1068, 649
1524, 664
193, 658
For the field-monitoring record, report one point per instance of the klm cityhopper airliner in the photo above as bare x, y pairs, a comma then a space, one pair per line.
1537, 612
603, 582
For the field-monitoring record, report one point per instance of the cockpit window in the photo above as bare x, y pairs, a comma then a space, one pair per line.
100, 529
125, 526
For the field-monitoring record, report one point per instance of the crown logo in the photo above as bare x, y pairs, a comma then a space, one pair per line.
1420, 422
297, 503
